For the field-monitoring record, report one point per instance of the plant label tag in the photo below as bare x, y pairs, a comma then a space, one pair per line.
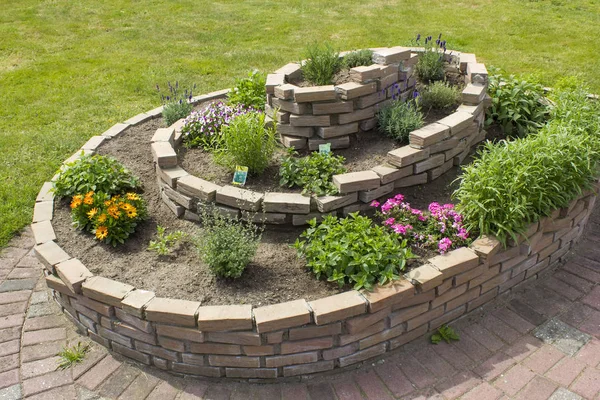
325, 148
240, 175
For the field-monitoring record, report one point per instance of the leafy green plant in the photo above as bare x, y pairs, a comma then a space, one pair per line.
352, 250
111, 219
439, 95
176, 105
322, 63
249, 91
164, 243
226, 245
312, 173
398, 119
358, 58
517, 105
430, 66
94, 173
247, 141
514, 183
70, 356
444, 333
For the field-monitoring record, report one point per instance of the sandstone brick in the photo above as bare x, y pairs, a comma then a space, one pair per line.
303, 219
193, 186
337, 130
368, 124
366, 196
447, 317
286, 203
164, 155
234, 361
419, 179
291, 359
245, 338
389, 174
171, 175
495, 281
73, 273
214, 372
392, 55
473, 94
138, 119
407, 337
315, 331
295, 142
457, 121
477, 73
263, 350
406, 155
439, 171
352, 90
240, 198
178, 332
101, 308
171, 344
115, 130
362, 355
281, 316
57, 284
473, 110
174, 207
181, 198
172, 311
314, 93
114, 337
485, 246
488, 274
292, 107
355, 337
471, 274
43, 211
341, 142
388, 295
357, 115
407, 313
548, 250
365, 73
449, 295
285, 91
426, 276
355, 181
290, 70
371, 99
225, 318
382, 336
43, 232
337, 307
106, 290
309, 120
45, 193
135, 302
358, 324
130, 331
455, 262
337, 107
424, 318
329, 203
303, 369
388, 80
295, 131
251, 373
274, 337
428, 135
431, 162
337, 352
274, 80
164, 135
215, 348
302, 346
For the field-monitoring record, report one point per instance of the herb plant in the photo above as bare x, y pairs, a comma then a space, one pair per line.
203, 128
94, 173
322, 63
312, 173
358, 58
111, 219
517, 105
398, 119
226, 245
176, 105
247, 141
164, 243
439, 95
353, 250
444, 333
249, 92
70, 356
430, 66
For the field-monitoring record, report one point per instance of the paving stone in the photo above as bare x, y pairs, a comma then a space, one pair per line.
514, 320
513, 380
9, 362
320, 391
41, 309
40, 351
193, 390
565, 371
99, 373
523, 348
526, 312
415, 372
14, 297
217, 392
140, 388
371, 385
437, 365
9, 378
593, 298
9, 347
538, 389
543, 359
119, 381
590, 353
483, 391
458, 385
394, 379
39, 297
494, 366
44, 335
587, 384
11, 393
566, 338
46, 382
39, 367
484, 336
13, 308
14, 285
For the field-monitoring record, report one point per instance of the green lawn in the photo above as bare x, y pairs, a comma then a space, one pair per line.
70, 69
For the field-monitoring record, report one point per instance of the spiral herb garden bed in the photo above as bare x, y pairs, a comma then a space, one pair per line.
221, 328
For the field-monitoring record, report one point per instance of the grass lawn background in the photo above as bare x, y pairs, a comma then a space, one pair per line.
70, 69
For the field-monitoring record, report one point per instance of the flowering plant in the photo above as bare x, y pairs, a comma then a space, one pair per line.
440, 228
111, 219
203, 128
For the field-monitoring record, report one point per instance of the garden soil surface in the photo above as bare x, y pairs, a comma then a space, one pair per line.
275, 275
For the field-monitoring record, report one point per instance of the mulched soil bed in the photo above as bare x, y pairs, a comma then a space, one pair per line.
275, 275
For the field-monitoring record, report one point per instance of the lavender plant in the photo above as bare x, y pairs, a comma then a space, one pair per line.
430, 66
176, 104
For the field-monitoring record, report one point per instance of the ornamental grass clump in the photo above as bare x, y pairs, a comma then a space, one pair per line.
249, 92
176, 104
514, 183
398, 118
440, 228
322, 63
94, 173
358, 58
353, 250
314, 173
203, 128
112, 219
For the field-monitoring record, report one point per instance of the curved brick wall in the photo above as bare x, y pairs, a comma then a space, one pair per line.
298, 337
328, 114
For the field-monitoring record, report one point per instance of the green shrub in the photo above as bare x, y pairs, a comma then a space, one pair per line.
517, 105
430, 66
227, 246
247, 141
514, 183
176, 105
312, 173
358, 58
353, 250
322, 63
111, 218
398, 119
250, 91
94, 173
165, 242
439, 95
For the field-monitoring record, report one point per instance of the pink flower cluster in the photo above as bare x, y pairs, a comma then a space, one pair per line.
440, 228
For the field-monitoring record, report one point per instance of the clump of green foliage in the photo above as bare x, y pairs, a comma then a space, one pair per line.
70, 356
439, 95
353, 250
165, 242
322, 63
247, 141
312, 173
176, 105
94, 173
430, 66
444, 333
227, 245
518, 105
249, 92
514, 183
358, 58
398, 119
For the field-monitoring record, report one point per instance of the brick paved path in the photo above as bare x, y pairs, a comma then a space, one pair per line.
537, 342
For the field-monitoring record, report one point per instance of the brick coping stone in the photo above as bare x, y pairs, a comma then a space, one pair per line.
299, 338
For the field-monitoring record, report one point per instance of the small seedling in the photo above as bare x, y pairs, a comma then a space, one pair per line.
163, 245
72, 355
446, 333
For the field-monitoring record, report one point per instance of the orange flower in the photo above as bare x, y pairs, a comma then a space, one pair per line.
107, 203
102, 218
132, 196
92, 212
132, 213
114, 212
76, 202
89, 199
101, 232
126, 206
